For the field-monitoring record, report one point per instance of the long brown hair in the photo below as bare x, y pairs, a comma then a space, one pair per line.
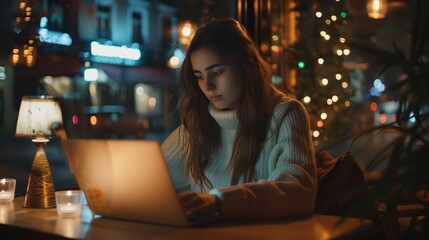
228, 39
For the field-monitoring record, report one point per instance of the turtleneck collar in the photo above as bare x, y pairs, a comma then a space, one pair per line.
227, 119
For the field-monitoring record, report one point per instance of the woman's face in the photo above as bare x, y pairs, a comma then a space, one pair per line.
217, 79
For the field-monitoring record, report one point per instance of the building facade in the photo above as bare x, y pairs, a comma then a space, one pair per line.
106, 60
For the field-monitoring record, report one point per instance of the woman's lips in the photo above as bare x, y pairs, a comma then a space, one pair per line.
215, 98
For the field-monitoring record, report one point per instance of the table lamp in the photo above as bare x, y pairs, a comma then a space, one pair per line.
35, 118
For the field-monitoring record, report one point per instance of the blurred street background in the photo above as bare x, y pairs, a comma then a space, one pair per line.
113, 65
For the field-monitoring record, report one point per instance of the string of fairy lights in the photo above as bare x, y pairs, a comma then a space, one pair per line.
324, 83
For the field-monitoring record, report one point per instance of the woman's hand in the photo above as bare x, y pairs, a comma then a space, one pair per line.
196, 203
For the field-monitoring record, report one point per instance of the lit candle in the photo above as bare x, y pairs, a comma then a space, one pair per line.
69, 209
5, 196
7, 190
68, 203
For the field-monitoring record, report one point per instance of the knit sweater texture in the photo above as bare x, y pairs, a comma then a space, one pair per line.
285, 170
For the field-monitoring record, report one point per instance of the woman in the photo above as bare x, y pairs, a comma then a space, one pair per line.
242, 148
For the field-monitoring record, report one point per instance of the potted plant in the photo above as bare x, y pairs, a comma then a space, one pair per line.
406, 174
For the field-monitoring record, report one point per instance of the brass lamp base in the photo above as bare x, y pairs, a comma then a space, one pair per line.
40, 187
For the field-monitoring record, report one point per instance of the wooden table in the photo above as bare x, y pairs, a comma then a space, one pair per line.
23, 223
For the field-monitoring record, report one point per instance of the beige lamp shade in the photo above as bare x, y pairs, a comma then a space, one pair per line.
36, 115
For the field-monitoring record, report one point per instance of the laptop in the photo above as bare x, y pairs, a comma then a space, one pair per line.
128, 180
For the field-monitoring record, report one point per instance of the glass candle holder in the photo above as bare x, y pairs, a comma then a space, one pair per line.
7, 190
69, 203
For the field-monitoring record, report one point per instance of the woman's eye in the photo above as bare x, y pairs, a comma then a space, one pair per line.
217, 73
200, 77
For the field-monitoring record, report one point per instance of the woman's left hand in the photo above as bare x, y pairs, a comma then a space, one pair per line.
197, 203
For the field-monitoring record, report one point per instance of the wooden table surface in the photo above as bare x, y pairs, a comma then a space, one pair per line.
23, 223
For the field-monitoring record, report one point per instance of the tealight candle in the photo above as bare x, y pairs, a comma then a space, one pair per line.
7, 190
69, 210
68, 203
5, 195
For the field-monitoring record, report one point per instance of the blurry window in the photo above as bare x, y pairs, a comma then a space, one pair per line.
103, 22
137, 28
148, 99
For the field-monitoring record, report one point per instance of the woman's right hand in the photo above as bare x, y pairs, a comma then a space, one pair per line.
197, 203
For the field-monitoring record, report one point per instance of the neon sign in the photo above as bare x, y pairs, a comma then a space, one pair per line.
54, 37
110, 51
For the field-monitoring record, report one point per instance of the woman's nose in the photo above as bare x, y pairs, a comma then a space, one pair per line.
209, 84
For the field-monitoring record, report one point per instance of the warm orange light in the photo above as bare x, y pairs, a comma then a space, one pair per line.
383, 118
347, 103
275, 48
376, 8
30, 60
174, 62
15, 59
186, 31
320, 123
93, 120
373, 106
152, 102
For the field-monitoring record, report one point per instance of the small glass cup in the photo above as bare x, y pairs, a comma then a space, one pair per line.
69, 203
7, 190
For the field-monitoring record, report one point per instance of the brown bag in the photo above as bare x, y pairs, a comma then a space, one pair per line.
342, 188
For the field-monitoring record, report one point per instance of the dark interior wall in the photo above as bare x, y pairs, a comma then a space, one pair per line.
6, 26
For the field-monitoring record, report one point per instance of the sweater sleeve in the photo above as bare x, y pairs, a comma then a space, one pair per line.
290, 188
173, 155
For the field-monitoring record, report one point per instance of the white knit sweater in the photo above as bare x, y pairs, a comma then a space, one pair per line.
286, 167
